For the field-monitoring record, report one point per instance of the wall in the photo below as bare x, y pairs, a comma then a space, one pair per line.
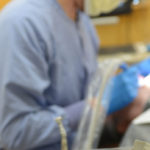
132, 28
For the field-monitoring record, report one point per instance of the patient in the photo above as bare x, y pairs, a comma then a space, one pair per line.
124, 117
118, 122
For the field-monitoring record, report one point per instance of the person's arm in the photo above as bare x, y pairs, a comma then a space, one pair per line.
26, 121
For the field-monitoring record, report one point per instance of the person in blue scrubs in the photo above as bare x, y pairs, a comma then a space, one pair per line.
48, 51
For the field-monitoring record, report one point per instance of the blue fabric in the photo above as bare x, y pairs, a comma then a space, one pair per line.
45, 65
74, 113
124, 66
124, 89
143, 67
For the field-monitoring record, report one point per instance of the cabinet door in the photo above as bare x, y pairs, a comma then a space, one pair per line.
132, 28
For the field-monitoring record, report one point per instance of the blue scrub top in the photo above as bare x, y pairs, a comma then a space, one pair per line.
46, 62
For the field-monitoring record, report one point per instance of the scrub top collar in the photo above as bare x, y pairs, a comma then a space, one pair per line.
61, 11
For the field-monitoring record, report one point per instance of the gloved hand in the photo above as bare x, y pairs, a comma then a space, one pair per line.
124, 89
143, 67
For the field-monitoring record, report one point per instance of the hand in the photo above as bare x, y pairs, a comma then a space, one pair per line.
124, 117
124, 90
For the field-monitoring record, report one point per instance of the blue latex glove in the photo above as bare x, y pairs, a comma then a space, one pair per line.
143, 67
124, 89
124, 66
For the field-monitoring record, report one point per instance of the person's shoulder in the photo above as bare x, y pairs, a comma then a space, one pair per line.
12, 11
88, 24
18, 10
